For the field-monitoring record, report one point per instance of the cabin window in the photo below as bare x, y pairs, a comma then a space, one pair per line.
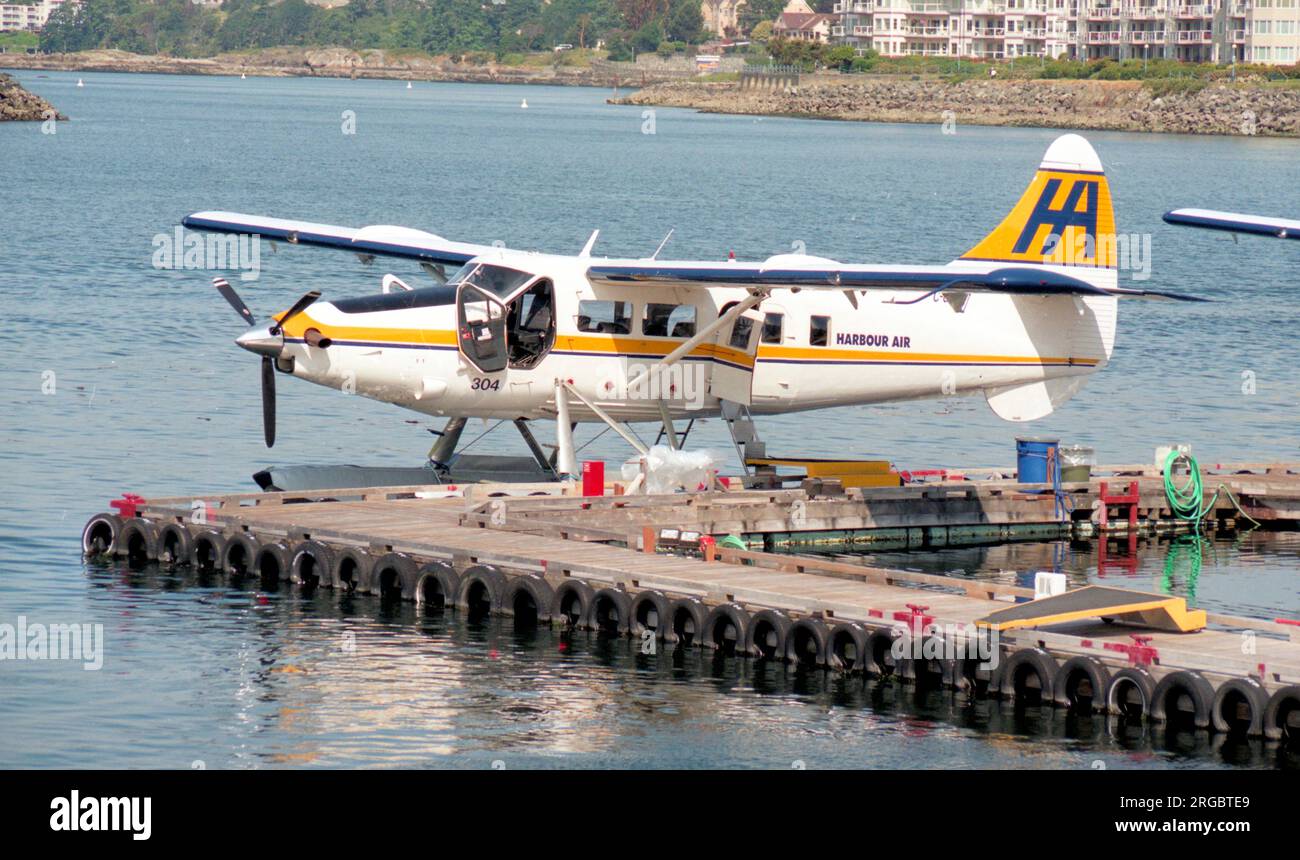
605, 317
772, 325
819, 331
740, 333
668, 320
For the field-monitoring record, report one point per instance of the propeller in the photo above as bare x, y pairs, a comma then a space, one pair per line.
267, 341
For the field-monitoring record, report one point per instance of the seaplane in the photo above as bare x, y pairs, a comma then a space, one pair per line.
1023, 318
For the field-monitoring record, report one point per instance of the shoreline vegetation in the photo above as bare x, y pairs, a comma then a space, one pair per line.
17, 104
575, 68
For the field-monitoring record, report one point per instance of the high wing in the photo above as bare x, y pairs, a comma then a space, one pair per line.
827, 274
1234, 222
380, 240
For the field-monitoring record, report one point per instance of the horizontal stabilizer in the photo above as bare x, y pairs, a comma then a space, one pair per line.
1158, 611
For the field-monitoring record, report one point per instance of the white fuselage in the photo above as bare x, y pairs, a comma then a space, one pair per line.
868, 350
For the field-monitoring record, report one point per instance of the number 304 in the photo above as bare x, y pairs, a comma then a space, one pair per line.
485, 385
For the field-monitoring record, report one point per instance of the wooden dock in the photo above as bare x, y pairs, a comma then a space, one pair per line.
541, 556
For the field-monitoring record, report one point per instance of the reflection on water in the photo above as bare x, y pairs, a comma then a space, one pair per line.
251, 677
1251, 573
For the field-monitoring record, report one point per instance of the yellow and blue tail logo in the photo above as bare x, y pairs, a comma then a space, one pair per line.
1063, 218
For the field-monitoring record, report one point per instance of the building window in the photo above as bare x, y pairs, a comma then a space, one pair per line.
819, 331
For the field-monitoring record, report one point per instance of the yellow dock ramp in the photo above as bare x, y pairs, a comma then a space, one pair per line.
1158, 611
850, 473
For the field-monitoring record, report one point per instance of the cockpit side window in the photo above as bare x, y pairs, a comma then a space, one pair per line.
500, 281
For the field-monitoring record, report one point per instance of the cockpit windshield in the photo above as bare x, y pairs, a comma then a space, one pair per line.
500, 281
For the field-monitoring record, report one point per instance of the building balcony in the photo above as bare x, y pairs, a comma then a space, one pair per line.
1104, 37
1195, 37
1147, 13
928, 32
1147, 37
1194, 12
1103, 13
854, 8
1238, 35
988, 32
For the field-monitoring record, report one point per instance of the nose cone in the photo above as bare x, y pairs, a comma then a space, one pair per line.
260, 340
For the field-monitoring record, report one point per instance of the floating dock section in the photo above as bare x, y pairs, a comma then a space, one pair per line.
628, 566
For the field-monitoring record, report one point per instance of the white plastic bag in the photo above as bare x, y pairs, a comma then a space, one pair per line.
667, 471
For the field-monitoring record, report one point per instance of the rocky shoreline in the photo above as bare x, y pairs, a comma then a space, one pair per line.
1229, 109
19, 105
338, 63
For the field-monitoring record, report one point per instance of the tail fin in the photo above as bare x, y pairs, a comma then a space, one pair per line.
1064, 217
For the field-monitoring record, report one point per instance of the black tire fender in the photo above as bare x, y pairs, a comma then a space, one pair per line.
572, 602
651, 606
808, 642
352, 567
610, 612
1199, 693
543, 596
437, 580
175, 544
1142, 684
394, 576
768, 635
493, 583
274, 562
1065, 687
240, 554
727, 616
312, 564
1255, 698
1281, 704
879, 655
686, 617
137, 540
208, 553
847, 647
99, 537
1032, 660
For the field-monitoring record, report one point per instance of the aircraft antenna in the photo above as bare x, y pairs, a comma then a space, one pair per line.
655, 255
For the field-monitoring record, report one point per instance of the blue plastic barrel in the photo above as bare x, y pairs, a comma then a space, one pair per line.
1037, 459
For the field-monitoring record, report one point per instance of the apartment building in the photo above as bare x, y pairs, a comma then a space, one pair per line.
1253, 31
28, 17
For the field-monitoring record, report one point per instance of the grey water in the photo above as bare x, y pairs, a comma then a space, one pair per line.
117, 376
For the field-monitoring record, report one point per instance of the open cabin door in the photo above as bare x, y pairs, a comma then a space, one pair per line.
481, 329
734, 349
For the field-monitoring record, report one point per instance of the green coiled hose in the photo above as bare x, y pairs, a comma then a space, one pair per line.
1188, 501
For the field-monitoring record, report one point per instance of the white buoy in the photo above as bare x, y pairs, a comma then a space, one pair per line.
79, 83
243, 77
408, 85
524, 104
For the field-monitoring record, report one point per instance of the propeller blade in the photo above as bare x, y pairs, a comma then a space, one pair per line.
298, 307
229, 294
268, 400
